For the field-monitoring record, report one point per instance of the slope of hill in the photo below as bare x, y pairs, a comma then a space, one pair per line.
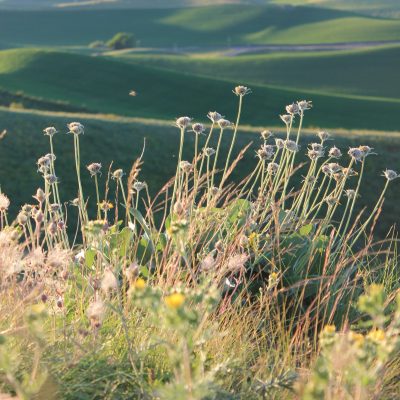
102, 85
200, 26
346, 72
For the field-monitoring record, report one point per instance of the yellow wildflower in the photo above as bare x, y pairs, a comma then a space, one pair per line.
174, 300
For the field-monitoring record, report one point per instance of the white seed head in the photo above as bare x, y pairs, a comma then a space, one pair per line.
287, 118
389, 174
272, 168
334, 152
94, 169
279, 143
109, 282
291, 145
50, 131
241, 90
51, 179
76, 128
198, 128
214, 116
350, 193
366, 150
224, 123
183, 122
304, 105
355, 153
4, 202
266, 134
138, 186
118, 174
292, 109
95, 312
208, 151
266, 152
40, 196
323, 135
185, 166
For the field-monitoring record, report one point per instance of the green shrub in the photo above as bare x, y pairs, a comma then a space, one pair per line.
121, 41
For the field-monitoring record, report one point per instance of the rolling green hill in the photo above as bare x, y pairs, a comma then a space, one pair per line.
199, 26
102, 85
368, 72
122, 140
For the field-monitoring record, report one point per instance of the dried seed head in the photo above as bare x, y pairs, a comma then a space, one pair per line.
22, 218
208, 151
287, 118
52, 157
366, 150
326, 170
179, 209
215, 191
265, 135
94, 169
109, 282
355, 153
279, 143
272, 168
224, 123
331, 200
118, 174
43, 163
60, 302
50, 131
96, 312
61, 225
105, 206
265, 152
138, 186
241, 91
132, 272
76, 128
51, 179
291, 145
317, 147
292, 109
55, 207
52, 228
38, 216
323, 135
214, 116
197, 128
334, 152
334, 167
40, 195
185, 166
75, 202
183, 122
4, 202
208, 263
313, 154
304, 105
389, 174
350, 193
219, 246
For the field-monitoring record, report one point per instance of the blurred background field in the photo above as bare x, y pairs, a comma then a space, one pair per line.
343, 55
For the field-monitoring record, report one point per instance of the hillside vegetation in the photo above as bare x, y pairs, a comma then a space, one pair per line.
202, 26
104, 87
349, 72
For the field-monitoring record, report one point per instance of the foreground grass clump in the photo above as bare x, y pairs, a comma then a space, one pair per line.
210, 289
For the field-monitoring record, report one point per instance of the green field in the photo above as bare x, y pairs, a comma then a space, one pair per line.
336, 72
105, 84
202, 26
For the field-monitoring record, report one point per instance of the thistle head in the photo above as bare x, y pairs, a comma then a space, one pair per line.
183, 122
76, 128
287, 118
265, 135
50, 131
334, 152
323, 135
304, 105
198, 128
94, 169
118, 174
292, 109
4, 202
214, 116
224, 123
241, 91
355, 153
279, 143
390, 175
185, 166
291, 145
208, 151
272, 168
